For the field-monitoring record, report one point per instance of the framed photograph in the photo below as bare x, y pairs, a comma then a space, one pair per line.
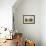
28, 19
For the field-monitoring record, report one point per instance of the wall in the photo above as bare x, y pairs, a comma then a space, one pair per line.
43, 22
6, 13
28, 7
6, 16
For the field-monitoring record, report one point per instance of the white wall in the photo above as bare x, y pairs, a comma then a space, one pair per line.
6, 13
31, 31
43, 22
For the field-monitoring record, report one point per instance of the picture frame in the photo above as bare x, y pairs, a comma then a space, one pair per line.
28, 19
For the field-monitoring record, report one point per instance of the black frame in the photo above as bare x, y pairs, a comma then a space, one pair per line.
29, 15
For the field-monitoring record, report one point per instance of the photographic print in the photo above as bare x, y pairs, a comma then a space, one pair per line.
28, 19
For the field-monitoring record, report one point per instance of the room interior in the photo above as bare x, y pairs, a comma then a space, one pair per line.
22, 23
